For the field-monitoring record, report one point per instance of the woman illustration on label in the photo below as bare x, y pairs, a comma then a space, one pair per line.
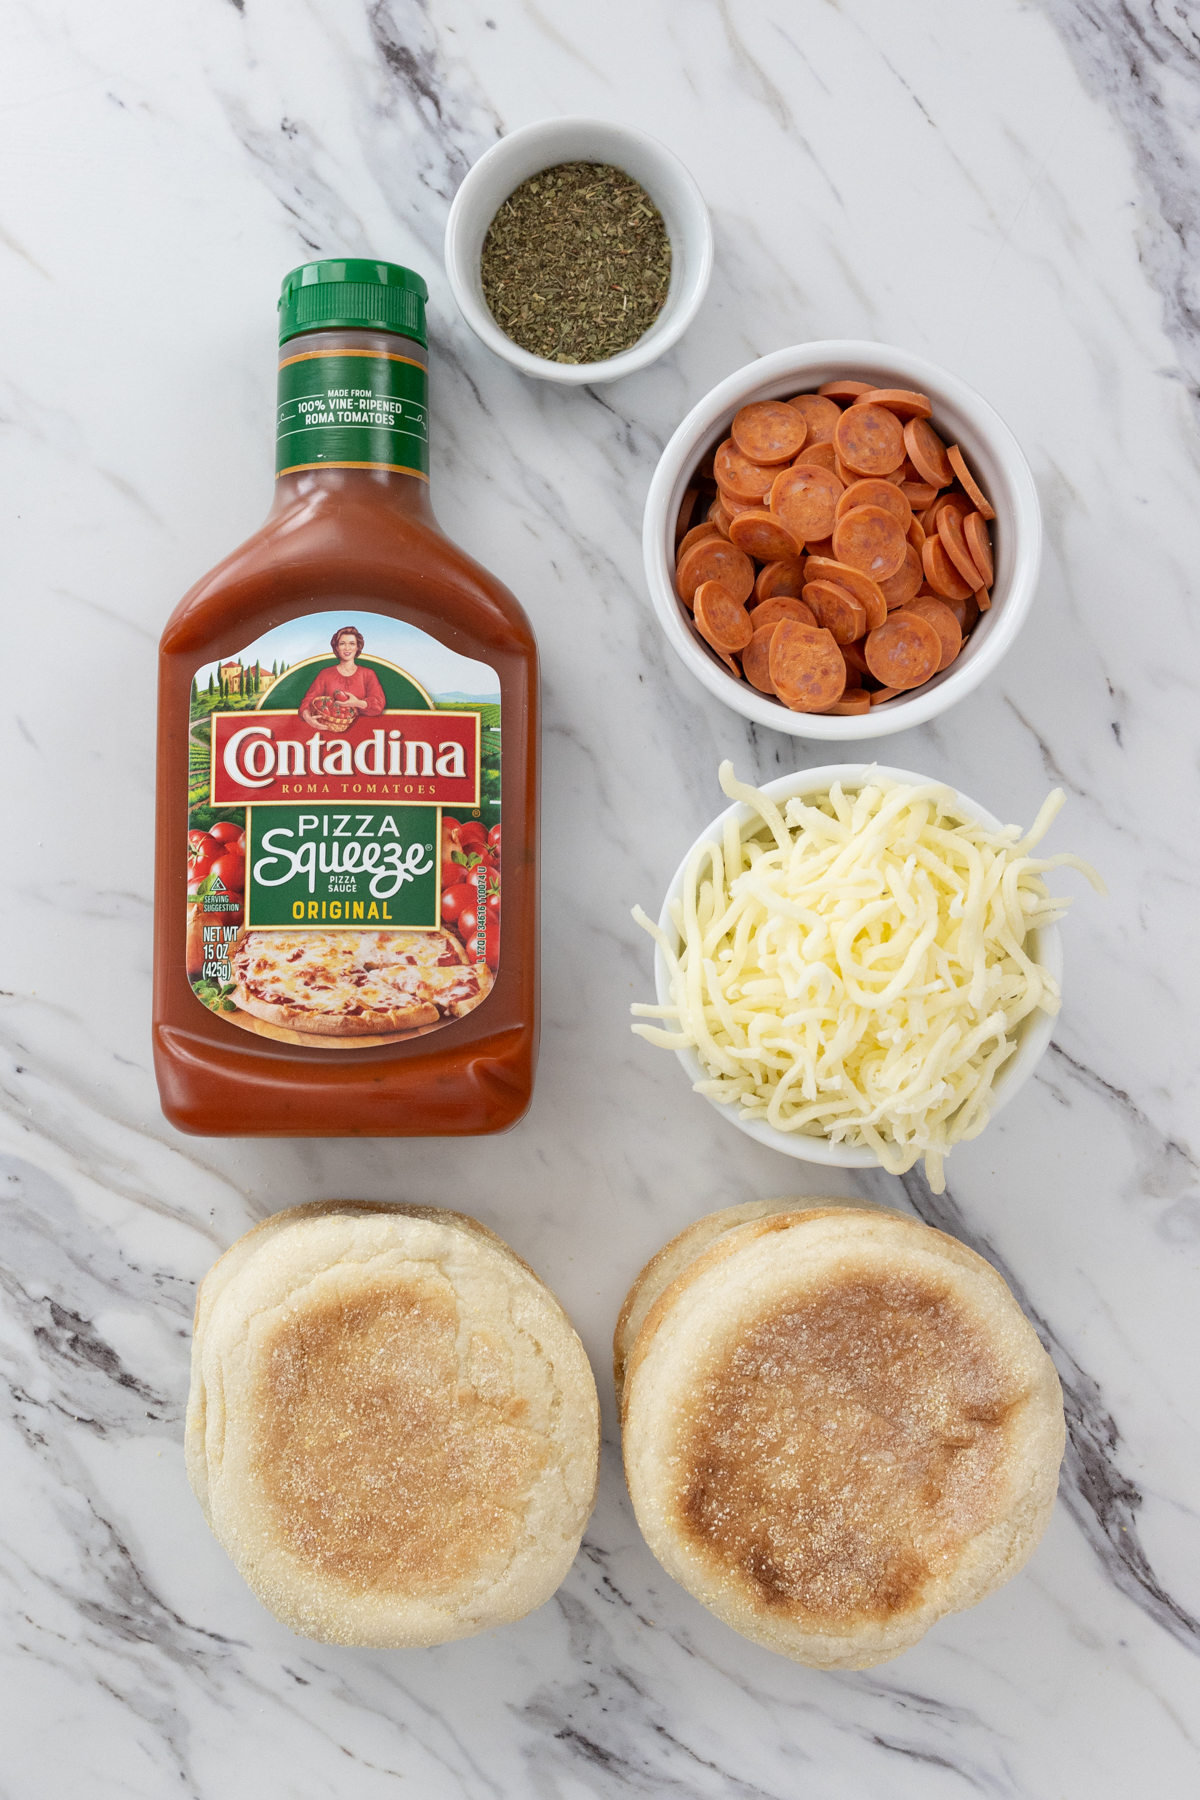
347, 685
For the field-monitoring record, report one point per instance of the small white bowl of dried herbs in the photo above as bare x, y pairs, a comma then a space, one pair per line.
578, 250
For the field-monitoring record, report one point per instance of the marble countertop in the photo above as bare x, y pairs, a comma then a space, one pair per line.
1010, 189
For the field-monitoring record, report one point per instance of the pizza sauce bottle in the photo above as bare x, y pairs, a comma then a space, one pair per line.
346, 936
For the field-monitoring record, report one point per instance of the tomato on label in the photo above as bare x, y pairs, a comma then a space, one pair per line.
230, 870
224, 830
493, 902
472, 836
239, 844
449, 824
463, 894
494, 838
467, 922
203, 851
452, 874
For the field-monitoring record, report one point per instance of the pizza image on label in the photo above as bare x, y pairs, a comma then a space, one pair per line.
343, 834
355, 983
330, 713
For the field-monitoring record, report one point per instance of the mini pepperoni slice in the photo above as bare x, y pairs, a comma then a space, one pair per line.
820, 547
742, 479
901, 401
958, 463
919, 494
875, 491
983, 600
806, 497
756, 657
715, 560
944, 623
820, 416
965, 611
764, 535
916, 536
882, 694
850, 705
869, 539
731, 662
820, 455
869, 440
721, 620
927, 453
867, 592
846, 476
695, 536
769, 431
777, 578
718, 516
953, 502
844, 390
904, 651
733, 506
806, 666
769, 612
905, 584
941, 573
838, 611
979, 545
854, 674
950, 531
853, 657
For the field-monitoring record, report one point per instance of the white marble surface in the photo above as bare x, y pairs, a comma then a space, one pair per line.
1010, 188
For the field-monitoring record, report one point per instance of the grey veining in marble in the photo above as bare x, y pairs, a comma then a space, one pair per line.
1141, 60
1010, 189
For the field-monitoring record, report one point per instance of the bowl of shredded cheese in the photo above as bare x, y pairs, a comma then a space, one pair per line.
859, 966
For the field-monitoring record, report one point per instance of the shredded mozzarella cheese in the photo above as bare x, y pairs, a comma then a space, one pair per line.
855, 967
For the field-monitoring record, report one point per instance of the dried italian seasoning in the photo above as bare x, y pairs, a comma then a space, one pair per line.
577, 262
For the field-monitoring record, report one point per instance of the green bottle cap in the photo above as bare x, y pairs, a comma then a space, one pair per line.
372, 295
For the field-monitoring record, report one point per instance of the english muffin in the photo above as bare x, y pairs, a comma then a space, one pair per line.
838, 1425
392, 1428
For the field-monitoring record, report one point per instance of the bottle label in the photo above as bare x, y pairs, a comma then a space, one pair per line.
352, 409
344, 833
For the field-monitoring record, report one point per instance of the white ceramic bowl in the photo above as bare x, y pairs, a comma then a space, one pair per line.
1034, 1032
960, 416
513, 160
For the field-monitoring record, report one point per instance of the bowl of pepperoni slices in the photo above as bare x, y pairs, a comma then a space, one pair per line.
842, 540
